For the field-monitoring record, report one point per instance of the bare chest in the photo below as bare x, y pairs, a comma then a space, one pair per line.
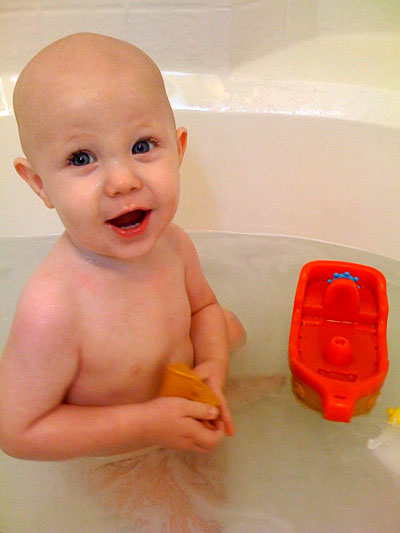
129, 332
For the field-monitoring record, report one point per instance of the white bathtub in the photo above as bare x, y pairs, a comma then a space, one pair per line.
296, 158
302, 141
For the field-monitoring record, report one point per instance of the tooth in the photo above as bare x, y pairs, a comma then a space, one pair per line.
131, 225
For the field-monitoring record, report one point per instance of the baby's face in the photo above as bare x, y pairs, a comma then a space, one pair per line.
109, 159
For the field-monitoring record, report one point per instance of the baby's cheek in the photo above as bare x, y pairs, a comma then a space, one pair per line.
76, 216
172, 194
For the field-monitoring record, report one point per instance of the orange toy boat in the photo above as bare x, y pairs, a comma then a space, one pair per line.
337, 346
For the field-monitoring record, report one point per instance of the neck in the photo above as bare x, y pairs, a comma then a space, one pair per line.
107, 263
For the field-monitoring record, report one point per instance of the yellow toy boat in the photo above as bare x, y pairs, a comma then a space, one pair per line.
180, 380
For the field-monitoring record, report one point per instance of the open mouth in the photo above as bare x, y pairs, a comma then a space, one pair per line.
128, 220
130, 223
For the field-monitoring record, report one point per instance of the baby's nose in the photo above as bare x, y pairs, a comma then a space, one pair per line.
121, 179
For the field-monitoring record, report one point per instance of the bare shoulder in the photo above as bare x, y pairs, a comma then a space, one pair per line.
181, 241
199, 291
45, 305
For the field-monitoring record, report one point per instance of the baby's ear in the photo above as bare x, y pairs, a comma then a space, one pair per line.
181, 141
28, 174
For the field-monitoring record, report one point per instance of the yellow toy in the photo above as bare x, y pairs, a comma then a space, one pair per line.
391, 431
180, 380
393, 415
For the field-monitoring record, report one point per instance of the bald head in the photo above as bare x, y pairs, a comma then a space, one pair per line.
71, 66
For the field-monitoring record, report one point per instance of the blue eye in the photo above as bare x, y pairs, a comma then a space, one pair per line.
142, 147
80, 159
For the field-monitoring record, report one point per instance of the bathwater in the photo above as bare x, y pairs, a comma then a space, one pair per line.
287, 469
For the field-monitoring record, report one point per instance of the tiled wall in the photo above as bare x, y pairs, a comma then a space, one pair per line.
187, 35
358, 15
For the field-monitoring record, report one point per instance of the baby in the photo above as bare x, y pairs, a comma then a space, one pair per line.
121, 295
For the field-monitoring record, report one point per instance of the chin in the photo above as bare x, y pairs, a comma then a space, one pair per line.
133, 250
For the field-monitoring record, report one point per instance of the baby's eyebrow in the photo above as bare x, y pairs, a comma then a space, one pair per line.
78, 136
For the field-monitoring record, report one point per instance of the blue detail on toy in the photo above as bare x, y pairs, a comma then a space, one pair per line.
345, 275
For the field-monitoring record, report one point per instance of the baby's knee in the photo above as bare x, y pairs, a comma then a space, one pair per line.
236, 333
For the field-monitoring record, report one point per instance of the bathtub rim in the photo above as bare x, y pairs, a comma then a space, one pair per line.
230, 92
331, 247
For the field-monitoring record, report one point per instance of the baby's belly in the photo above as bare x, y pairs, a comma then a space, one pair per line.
121, 379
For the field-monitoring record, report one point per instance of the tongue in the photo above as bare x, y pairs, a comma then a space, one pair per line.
128, 219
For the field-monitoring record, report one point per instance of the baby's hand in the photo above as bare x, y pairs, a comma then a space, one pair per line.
209, 374
178, 424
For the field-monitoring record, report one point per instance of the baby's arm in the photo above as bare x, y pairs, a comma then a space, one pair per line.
39, 365
208, 330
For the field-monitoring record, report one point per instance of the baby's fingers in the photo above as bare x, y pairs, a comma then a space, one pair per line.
226, 417
206, 439
202, 411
